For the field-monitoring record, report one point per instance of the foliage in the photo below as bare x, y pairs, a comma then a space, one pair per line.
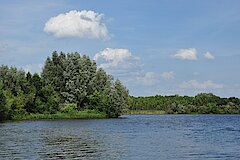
4, 111
68, 83
85, 84
71, 83
68, 108
203, 103
85, 114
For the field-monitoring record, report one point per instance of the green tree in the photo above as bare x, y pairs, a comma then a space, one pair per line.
80, 78
48, 100
4, 111
122, 96
53, 71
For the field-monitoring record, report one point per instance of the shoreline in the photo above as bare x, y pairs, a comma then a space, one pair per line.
145, 112
85, 114
160, 112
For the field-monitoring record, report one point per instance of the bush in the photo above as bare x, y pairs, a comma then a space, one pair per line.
68, 108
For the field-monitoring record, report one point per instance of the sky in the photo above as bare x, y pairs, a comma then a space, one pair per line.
163, 47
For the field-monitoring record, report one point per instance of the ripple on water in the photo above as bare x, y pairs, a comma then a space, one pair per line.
130, 137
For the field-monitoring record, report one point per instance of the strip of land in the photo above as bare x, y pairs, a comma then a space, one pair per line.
85, 114
145, 112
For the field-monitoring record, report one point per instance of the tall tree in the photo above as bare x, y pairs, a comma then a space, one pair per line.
80, 78
53, 71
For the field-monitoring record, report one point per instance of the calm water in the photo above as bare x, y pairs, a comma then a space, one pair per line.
130, 137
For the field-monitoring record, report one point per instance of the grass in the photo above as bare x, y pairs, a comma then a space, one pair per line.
145, 112
85, 114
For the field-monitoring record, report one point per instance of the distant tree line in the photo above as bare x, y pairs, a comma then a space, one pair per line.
203, 103
67, 81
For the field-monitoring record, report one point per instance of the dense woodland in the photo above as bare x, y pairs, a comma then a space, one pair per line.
68, 82
203, 103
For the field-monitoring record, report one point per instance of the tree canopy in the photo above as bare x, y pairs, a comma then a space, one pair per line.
65, 79
203, 103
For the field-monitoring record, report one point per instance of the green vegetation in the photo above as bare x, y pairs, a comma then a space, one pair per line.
145, 112
85, 114
70, 86
203, 103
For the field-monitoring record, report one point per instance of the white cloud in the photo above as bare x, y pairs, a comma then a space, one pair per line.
114, 57
186, 54
83, 24
33, 68
193, 84
209, 56
117, 60
168, 75
148, 79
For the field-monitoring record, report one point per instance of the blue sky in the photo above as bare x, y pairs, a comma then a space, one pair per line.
154, 47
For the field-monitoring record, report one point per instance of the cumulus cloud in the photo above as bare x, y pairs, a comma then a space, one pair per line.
193, 84
209, 56
168, 75
186, 54
148, 79
117, 60
83, 24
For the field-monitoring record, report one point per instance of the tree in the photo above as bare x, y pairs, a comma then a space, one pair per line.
101, 80
122, 96
4, 111
48, 100
53, 71
36, 81
80, 78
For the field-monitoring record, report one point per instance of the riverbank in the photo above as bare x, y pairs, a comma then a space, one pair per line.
85, 114
145, 112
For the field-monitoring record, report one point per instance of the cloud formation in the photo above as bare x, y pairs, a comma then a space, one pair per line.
33, 68
186, 54
168, 75
194, 84
117, 60
148, 79
209, 56
83, 24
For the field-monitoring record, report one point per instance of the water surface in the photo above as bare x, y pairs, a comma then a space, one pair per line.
129, 137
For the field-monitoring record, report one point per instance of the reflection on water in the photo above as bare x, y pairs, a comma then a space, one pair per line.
62, 144
130, 137
65, 139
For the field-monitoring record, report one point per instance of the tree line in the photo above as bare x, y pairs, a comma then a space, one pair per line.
67, 82
203, 103
71, 82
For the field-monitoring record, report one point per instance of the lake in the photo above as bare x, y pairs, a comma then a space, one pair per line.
129, 137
